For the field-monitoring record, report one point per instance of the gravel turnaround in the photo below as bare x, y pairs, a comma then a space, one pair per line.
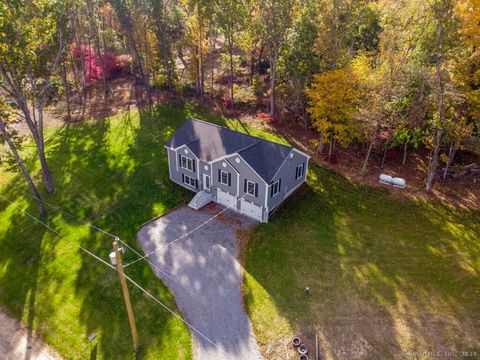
204, 275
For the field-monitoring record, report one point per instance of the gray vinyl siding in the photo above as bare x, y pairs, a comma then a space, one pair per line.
174, 164
218, 165
247, 173
287, 175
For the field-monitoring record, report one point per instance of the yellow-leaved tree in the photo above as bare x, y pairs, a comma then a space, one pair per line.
333, 99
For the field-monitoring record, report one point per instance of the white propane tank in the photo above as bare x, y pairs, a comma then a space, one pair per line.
398, 182
113, 259
385, 179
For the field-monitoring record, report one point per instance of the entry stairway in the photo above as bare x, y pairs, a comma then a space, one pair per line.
200, 199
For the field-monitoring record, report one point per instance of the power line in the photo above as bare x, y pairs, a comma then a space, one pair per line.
184, 235
126, 276
66, 213
57, 208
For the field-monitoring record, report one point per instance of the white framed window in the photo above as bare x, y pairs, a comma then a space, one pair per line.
206, 182
186, 163
190, 181
275, 189
224, 177
250, 188
299, 172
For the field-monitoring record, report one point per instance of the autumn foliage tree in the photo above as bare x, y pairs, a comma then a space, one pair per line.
32, 41
332, 104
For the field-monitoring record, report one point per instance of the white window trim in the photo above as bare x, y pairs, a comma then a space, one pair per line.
186, 162
251, 182
188, 183
299, 176
209, 182
221, 177
278, 188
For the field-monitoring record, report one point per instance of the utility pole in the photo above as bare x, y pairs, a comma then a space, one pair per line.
126, 295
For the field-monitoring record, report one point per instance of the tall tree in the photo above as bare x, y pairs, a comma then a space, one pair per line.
167, 33
299, 60
230, 16
445, 29
13, 143
277, 19
332, 105
31, 45
124, 10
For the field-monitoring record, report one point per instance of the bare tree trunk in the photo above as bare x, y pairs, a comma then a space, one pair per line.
214, 40
146, 81
405, 152
252, 65
230, 51
83, 81
273, 65
47, 176
330, 148
451, 155
438, 135
67, 91
434, 161
367, 157
26, 174
200, 57
96, 42
384, 154
197, 71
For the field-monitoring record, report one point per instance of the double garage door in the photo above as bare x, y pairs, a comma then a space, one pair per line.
246, 207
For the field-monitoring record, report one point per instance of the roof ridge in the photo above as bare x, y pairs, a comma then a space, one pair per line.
241, 133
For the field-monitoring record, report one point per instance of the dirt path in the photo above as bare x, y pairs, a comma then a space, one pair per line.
18, 343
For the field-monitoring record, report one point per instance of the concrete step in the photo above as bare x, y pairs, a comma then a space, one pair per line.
200, 199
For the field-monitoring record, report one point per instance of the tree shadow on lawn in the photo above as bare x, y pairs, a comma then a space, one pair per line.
25, 247
386, 276
114, 172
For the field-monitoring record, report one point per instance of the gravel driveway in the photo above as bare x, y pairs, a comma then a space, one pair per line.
205, 277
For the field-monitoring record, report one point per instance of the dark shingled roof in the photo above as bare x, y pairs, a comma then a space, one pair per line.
208, 142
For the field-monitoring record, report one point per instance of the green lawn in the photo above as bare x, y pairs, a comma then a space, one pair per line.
386, 276
114, 172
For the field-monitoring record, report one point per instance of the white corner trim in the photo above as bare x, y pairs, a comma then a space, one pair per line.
267, 191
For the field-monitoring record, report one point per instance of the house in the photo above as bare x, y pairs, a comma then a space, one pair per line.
251, 175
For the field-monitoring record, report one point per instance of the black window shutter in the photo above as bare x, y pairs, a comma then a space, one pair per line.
279, 184
183, 178
229, 179
193, 165
296, 173
180, 160
256, 189
271, 190
245, 185
219, 175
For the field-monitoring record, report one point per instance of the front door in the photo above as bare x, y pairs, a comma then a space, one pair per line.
206, 182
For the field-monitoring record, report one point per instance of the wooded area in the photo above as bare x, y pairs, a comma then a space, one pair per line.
370, 75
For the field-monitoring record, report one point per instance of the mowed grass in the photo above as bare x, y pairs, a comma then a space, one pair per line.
112, 172
387, 277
